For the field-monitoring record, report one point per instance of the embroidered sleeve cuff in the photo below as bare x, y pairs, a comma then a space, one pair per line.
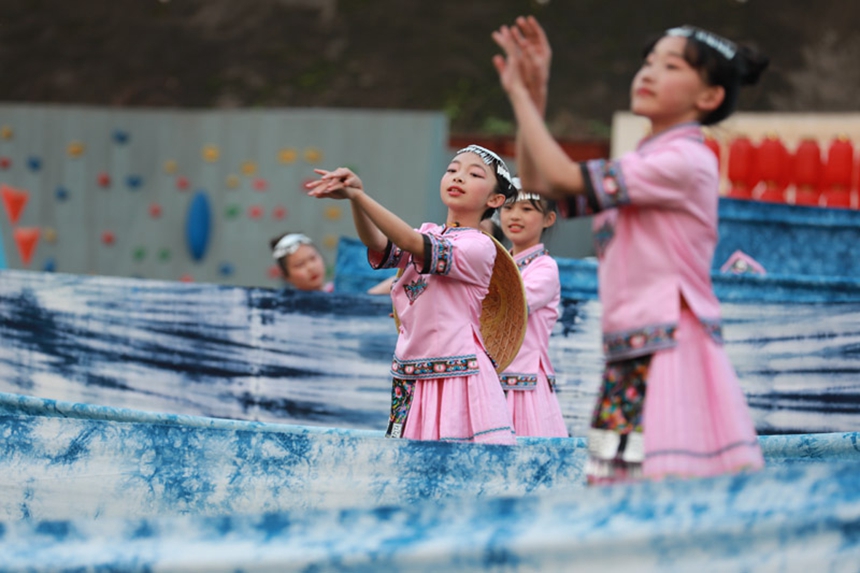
604, 183
388, 259
437, 255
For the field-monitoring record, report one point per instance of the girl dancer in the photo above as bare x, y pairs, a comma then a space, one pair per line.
445, 384
529, 381
670, 402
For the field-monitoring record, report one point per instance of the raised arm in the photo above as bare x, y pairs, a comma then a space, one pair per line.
530, 38
375, 224
553, 171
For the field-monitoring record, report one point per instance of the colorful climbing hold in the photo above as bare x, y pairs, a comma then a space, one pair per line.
313, 155
50, 265
104, 179
134, 181
26, 239
182, 183
5, 163
333, 212
75, 149
287, 155
139, 253
279, 213
120, 136
232, 181
61, 193
330, 241
186, 278
232, 211
154, 210
7, 132
50, 235
197, 225
249, 168
108, 238
171, 167
14, 200
164, 254
34, 163
255, 211
211, 153
273, 272
260, 184
225, 269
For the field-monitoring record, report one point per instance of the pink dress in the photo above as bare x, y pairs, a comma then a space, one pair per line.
445, 385
529, 380
670, 402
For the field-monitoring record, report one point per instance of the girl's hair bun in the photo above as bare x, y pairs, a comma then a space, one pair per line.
751, 64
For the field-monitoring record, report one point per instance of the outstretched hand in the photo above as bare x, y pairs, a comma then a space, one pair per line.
341, 183
527, 58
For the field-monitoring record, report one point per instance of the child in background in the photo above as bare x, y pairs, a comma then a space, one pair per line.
445, 383
529, 381
670, 402
301, 263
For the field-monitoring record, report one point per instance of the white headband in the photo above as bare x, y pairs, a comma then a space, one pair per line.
488, 157
521, 195
727, 48
289, 244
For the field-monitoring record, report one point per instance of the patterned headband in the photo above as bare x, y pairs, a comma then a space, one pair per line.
289, 244
725, 47
490, 158
521, 195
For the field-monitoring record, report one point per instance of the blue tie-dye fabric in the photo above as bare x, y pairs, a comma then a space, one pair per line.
85, 486
323, 359
152, 426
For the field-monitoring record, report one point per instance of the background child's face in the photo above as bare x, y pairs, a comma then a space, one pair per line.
523, 223
306, 268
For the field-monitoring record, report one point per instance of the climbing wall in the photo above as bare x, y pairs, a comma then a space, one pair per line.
196, 195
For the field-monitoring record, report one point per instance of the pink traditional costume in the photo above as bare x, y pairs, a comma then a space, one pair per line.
445, 384
529, 381
670, 402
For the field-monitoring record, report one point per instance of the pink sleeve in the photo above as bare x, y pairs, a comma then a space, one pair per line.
663, 178
467, 257
541, 282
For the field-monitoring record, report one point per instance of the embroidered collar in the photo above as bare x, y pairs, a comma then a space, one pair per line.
525, 258
691, 129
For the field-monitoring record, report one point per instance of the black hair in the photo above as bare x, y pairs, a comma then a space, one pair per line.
743, 69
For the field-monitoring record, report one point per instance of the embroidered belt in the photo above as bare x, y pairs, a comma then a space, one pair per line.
426, 368
648, 340
517, 381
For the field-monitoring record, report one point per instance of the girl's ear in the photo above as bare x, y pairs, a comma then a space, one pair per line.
710, 98
549, 220
496, 201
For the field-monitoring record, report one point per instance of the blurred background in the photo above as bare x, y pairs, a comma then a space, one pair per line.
170, 138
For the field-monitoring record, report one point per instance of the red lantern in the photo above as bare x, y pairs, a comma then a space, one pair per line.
807, 172
838, 173
741, 168
774, 167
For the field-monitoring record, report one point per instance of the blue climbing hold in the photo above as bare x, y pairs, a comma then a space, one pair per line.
134, 181
198, 223
34, 163
120, 136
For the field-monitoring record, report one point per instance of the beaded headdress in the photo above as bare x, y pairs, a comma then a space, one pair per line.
289, 244
725, 47
503, 175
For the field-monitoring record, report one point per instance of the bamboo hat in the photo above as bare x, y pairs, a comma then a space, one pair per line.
504, 311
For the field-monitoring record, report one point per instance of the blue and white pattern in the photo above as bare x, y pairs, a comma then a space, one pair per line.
153, 426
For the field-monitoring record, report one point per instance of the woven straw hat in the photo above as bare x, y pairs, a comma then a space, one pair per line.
504, 311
